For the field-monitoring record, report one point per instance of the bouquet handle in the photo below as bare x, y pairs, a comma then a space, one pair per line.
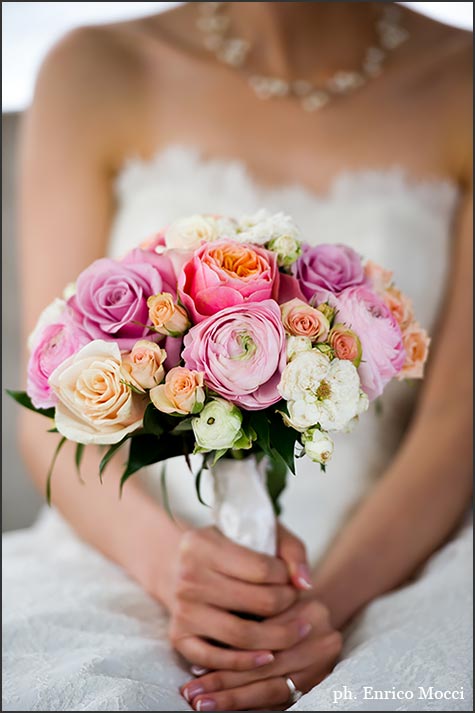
242, 509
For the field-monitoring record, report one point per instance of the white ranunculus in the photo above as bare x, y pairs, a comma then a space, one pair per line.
320, 391
295, 345
287, 249
51, 314
218, 426
189, 233
95, 404
263, 227
318, 445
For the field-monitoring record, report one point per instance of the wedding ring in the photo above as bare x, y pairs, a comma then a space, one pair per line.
295, 694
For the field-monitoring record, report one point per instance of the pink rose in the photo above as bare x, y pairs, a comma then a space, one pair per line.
360, 309
302, 320
111, 296
325, 270
345, 344
226, 273
241, 352
52, 345
416, 343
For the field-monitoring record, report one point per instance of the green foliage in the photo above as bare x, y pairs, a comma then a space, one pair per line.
51, 468
22, 398
276, 482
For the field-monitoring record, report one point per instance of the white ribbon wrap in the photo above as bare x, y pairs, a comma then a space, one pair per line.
242, 507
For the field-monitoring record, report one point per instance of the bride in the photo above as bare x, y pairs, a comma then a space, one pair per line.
354, 118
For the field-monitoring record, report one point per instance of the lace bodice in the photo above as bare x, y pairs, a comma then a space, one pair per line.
385, 215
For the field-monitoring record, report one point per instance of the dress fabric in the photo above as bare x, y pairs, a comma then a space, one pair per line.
80, 635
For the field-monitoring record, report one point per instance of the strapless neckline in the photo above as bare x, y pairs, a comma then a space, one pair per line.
136, 168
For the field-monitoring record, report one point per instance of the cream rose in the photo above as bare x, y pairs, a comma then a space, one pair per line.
189, 233
95, 404
144, 364
167, 317
183, 392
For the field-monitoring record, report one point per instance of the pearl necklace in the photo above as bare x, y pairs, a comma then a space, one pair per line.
215, 25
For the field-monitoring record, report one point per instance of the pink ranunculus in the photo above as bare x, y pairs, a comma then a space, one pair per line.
326, 269
111, 296
242, 352
53, 344
360, 309
227, 273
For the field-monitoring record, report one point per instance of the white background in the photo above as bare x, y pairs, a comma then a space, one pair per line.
30, 28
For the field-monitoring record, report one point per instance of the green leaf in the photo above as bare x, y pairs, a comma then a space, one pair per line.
22, 398
78, 458
163, 487
283, 440
182, 426
152, 421
146, 449
276, 481
260, 424
51, 468
217, 455
108, 455
198, 484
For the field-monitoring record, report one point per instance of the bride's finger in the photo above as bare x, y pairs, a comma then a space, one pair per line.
318, 654
205, 655
260, 694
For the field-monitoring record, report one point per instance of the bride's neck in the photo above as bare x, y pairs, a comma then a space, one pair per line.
287, 37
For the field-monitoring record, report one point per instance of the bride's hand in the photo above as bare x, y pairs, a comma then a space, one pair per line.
306, 663
214, 577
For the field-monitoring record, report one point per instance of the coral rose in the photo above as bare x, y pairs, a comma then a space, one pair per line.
226, 273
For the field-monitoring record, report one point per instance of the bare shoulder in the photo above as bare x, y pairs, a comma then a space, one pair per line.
93, 80
439, 79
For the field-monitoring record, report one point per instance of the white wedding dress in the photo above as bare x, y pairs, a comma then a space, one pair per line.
80, 635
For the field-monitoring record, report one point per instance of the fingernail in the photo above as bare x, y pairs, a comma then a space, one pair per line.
304, 578
263, 659
198, 670
205, 704
193, 690
304, 629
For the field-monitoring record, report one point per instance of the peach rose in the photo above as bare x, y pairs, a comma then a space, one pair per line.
416, 343
379, 278
400, 306
166, 316
345, 344
302, 320
183, 392
95, 405
144, 364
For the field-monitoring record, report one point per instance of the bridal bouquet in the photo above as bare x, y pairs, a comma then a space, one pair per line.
228, 338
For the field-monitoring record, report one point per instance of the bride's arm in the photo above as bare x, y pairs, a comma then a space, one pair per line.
422, 497
65, 206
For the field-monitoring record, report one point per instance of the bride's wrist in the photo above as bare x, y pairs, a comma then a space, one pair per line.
338, 596
150, 553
